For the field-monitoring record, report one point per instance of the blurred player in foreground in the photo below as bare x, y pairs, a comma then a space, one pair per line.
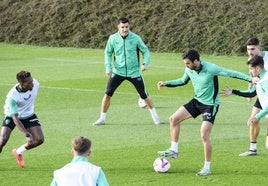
19, 112
79, 171
204, 77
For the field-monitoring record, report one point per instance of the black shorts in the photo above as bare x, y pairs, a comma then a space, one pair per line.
195, 108
116, 80
257, 104
27, 122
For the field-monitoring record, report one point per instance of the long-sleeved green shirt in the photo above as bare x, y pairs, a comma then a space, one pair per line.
205, 81
122, 54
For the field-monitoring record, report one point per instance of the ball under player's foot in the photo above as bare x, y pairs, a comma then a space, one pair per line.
18, 157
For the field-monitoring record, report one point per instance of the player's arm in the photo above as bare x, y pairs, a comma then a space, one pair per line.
144, 50
246, 93
108, 53
14, 114
53, 183
174, 83
230, 73
102, 181
178, 82
264, 111
145, 54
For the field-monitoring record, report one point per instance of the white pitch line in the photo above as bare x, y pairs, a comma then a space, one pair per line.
117, 92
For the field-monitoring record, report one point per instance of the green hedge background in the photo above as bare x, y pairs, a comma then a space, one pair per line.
218, 27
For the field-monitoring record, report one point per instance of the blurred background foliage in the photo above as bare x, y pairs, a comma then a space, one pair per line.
219, 27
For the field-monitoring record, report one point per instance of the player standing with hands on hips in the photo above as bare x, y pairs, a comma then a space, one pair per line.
19, 112
204, 77
124, 48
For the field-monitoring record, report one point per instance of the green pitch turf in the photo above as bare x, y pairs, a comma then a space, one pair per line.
72, 85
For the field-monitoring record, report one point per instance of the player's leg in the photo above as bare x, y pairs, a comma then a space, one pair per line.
4, 136
266, 141
140, 87
209, 115
175, 120
205, 131
205, 137
254, 130
7, 127
33, 126
113, 83
38, 137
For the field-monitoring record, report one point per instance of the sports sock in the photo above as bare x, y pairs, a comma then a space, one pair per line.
253, 146
21, 149
207, 165
103, 116
153, 112
174, 146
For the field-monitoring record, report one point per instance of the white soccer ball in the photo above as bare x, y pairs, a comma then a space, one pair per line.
161, 165
141, 103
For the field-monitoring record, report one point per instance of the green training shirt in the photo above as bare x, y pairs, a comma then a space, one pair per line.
205, 81
122, 54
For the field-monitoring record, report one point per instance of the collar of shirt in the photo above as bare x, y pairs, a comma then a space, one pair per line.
79, 158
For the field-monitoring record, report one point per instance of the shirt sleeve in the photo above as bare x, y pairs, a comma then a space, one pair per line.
108, 55
246, 93
53, 183
264, 111
231, 73
145, 52
178, 82
102, 181
13, 108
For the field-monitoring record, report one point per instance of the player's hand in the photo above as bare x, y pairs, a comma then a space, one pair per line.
143, 68
249, 99
255, 80
109, 73
226, 92
160, 84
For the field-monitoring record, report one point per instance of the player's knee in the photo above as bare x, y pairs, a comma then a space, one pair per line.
173, 122
39, 141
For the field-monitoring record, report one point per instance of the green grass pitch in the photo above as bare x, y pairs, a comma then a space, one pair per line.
72, 85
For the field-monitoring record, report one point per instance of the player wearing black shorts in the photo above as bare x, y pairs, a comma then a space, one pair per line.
19, 112
122, 63
204, 78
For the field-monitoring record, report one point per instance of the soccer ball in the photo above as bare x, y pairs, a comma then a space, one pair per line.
161, 165
141, 103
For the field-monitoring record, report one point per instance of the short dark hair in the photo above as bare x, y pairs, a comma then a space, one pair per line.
123, 20
253, 41
256, 61
191, 54
23, 75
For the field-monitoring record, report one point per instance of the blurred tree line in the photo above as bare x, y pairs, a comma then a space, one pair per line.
210, 26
